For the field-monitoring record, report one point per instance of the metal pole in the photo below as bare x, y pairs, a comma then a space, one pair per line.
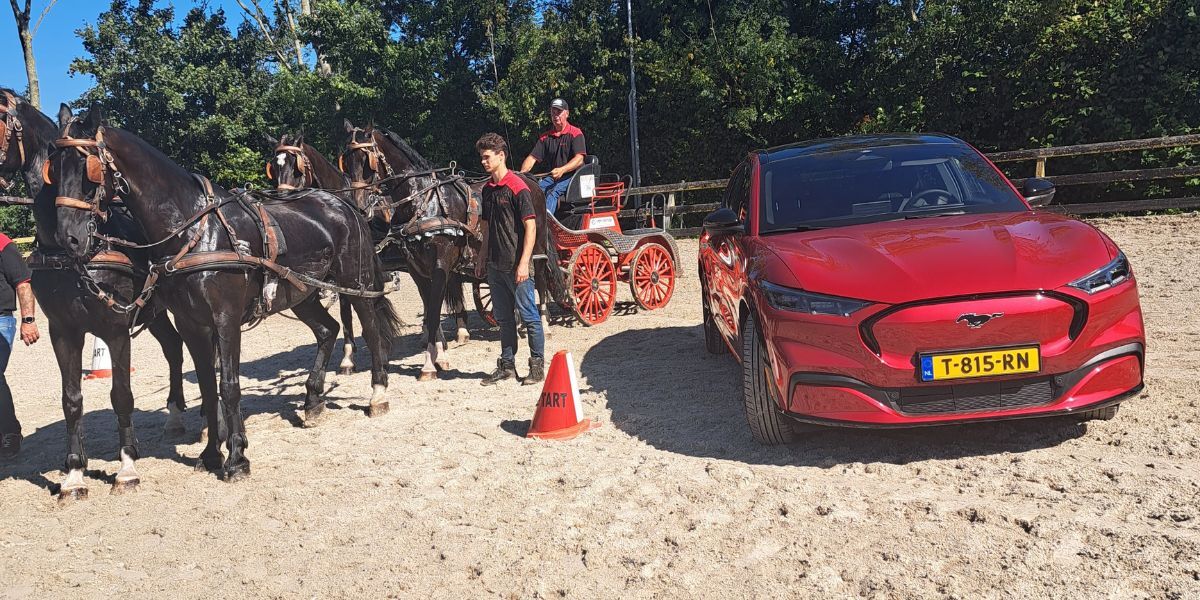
633, 132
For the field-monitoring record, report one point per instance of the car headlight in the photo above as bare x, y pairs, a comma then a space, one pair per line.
790, 299
1105, 277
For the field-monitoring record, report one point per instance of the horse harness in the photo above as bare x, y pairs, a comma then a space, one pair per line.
10, 127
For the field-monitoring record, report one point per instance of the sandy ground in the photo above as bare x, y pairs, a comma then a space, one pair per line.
442, 497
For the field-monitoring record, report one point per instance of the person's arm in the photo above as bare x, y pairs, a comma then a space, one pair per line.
528, 163
482, 258
570, 167
529, 221
29, 331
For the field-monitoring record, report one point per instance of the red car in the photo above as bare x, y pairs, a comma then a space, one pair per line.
902, 280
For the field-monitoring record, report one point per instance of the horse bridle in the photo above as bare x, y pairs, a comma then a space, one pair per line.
99, 169
302, 165
375, 157
10, 127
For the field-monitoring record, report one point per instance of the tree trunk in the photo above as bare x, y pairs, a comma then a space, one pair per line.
35, 94
322, 65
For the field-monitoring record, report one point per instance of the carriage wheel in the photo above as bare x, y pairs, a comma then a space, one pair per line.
652, 276
483, 301
593, 283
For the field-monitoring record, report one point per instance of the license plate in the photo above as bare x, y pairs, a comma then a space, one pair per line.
980, 363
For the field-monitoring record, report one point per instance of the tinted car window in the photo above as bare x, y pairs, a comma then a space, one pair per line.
866, 185
737, 192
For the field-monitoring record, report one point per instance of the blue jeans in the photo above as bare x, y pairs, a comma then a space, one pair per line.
508, 298
553, 191
8, 414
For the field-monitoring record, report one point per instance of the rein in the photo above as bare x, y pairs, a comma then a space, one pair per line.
10, 123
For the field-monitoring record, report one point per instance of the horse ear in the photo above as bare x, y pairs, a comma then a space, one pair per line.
348, 126
64, 115
270, 139
95, 118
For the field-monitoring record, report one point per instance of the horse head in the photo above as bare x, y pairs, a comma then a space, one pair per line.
77, 170
363, 163
290, 166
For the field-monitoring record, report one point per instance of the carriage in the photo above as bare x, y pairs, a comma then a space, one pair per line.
594, 252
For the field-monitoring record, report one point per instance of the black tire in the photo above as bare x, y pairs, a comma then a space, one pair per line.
767, 425
712, 336
1107, 413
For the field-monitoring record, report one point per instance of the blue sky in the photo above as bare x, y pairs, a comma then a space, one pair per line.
56, 45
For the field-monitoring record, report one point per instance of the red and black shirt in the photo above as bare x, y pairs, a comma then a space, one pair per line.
557, 148
506, 207
15, 271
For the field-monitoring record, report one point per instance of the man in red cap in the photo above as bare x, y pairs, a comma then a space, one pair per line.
562, 148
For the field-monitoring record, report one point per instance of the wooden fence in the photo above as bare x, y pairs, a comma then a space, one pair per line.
669, 196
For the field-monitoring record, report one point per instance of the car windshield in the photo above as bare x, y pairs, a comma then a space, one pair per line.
886, 183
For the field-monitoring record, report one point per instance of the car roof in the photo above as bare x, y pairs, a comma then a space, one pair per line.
854, 142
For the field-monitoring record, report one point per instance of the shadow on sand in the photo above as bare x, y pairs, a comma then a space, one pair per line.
663, 388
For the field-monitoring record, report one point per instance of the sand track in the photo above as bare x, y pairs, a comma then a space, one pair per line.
670, 497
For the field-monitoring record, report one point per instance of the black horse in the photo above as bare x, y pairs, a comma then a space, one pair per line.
295, 165
421, 215
76, 302
221, 260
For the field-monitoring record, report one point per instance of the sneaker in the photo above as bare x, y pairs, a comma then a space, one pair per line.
537, 371
10, 445
504, 370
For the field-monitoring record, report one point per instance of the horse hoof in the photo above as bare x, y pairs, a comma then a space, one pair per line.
463, 338
206, 465
125, 487
427, 376
442, 365
346, 371
378, 410
72, 495
313, 416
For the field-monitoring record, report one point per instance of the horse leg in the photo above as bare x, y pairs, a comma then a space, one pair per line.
68, 349
122, 402
458, 308
430, 325
172, 348
379, 354
347, 365
542, 294
199, 342
229, 344
437, 293
325, 328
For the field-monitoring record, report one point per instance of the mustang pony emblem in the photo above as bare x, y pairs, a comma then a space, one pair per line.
975, 321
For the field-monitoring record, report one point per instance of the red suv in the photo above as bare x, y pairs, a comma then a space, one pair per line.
901, 280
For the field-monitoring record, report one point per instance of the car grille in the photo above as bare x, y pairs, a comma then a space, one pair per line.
970, 397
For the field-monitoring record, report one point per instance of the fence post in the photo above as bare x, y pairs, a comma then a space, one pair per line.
1039, 169
668, 210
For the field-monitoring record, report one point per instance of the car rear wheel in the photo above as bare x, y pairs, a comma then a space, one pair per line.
767, 425
1100, 414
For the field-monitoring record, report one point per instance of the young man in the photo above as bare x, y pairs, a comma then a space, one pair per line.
14, 289
509, 228
562, 148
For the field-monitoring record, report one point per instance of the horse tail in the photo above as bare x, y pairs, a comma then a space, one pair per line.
558, 282
388, 321
455, 305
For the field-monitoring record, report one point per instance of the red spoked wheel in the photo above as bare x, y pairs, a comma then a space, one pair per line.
652, 276
593, 283
483, 301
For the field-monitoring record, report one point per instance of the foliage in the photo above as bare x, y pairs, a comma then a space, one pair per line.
715, 78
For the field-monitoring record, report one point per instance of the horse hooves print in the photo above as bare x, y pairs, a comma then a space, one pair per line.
378, 410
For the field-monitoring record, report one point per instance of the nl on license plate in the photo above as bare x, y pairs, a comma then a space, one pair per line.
979, 363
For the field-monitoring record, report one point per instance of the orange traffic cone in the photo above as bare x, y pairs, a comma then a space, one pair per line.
101, 361
559, 416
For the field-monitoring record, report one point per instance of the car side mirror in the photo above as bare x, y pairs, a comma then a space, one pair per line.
723, 221
1038, 192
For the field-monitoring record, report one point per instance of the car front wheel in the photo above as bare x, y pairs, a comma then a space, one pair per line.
762, 411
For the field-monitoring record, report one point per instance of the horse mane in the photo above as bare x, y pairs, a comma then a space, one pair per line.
419, 162
154, 153
40, 125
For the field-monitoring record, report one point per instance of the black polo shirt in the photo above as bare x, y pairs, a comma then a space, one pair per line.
506, 207
16, 272
557, 148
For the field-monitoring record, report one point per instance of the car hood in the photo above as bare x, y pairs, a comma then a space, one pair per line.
902, 261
